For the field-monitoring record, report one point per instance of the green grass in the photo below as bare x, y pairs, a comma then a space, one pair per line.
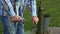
52, 7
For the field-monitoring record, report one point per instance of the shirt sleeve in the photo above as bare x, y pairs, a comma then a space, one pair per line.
32, 6
11, 12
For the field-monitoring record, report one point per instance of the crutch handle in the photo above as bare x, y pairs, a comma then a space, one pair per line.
17, 12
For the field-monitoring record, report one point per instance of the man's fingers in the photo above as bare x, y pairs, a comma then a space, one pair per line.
35, 22
35, 19
21, 18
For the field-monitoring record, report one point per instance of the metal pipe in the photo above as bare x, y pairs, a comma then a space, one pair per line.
18, 4
46, 23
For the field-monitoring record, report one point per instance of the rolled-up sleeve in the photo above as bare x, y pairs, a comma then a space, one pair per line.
11, 12
32, 6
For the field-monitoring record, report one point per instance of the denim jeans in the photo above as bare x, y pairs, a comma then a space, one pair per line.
10, 27
4, 20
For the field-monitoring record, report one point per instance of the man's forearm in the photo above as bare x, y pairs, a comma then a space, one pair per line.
33, 7
11, 12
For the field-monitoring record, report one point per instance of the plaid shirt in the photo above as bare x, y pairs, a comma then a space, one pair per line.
30, 3
2, 12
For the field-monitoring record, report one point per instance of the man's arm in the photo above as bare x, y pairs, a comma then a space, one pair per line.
32, 6
11, 12
14, 17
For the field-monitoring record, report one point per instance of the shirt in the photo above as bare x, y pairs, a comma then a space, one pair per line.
30, 3
2, 11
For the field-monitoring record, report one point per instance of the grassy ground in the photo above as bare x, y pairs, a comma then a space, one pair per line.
52, 7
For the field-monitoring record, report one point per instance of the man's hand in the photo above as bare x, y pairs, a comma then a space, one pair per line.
35, 19
16, 18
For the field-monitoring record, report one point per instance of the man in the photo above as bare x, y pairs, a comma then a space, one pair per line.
15, 18
32, 6
4, 17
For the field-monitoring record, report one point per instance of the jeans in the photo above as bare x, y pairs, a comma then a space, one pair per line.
4, 20
10, 27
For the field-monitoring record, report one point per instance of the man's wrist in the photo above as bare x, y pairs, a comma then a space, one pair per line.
12, 13
34, 14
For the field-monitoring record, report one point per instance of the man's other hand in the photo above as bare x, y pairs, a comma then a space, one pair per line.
35, 19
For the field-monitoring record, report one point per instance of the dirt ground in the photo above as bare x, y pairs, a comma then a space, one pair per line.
52, 30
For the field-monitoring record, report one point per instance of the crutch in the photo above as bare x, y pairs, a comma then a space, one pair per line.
17, 6
17, 12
